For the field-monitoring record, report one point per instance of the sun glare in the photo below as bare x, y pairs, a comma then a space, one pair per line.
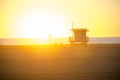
40, 25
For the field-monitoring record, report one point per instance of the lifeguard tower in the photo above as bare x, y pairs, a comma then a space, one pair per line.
79, 36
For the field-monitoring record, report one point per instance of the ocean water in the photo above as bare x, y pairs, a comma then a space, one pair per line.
104, 40
29, 41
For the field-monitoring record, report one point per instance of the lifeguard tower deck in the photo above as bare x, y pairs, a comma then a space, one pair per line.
79, 36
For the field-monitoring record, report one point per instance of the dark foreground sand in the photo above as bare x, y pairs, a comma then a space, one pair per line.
90, 62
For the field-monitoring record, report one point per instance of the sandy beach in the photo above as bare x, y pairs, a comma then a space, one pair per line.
60, 62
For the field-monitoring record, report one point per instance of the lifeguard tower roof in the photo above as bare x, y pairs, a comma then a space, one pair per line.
79, 29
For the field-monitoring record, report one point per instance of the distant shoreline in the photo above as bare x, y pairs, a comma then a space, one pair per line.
57, 41
63, 45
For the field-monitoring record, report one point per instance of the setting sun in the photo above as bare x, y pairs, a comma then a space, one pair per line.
36, 24
39, 18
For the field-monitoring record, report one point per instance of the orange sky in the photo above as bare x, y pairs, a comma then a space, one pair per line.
32, 18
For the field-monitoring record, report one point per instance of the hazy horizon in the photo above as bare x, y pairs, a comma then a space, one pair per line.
30, 41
